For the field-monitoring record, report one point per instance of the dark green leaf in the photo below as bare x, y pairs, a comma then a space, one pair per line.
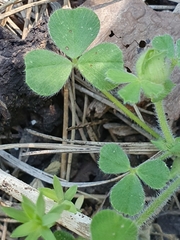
46, 72
113, 159
62, 235
127, 196
94, 64
154, 173
108, 225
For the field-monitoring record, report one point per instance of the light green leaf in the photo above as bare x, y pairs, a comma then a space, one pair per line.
49, 219
16, 214
153, 66
152, 90
25, 229
164, 43
73, 30
69, 194
127, 196
59, 208
29, 207
131, 92
34, 235
94, 64
46, 72
50, 193
71, 207
108, 225
113, 159
166, 89
154, 173
58, 189
178, 49
120, 76
79, 202
40, 205
47, 234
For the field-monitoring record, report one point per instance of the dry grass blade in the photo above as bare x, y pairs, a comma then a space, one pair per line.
21, 8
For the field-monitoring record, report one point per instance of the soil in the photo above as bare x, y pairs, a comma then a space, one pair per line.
21, 109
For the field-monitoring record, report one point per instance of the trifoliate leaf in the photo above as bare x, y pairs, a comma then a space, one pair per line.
94, 64
154, 173
113, 159
108, 225
127, 196
46, 71
73, 30
164, 43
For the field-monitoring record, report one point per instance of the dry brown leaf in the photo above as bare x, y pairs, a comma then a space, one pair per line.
131, 24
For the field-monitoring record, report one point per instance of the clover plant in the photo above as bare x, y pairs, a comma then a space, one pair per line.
102, 66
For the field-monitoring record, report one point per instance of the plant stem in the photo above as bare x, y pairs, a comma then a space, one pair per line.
130, 114
163, 121
157, 204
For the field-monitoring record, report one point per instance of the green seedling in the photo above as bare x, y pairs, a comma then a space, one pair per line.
34, 221
61, 197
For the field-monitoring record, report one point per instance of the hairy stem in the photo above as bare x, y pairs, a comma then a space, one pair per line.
163, 121
130, 114
157, 204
